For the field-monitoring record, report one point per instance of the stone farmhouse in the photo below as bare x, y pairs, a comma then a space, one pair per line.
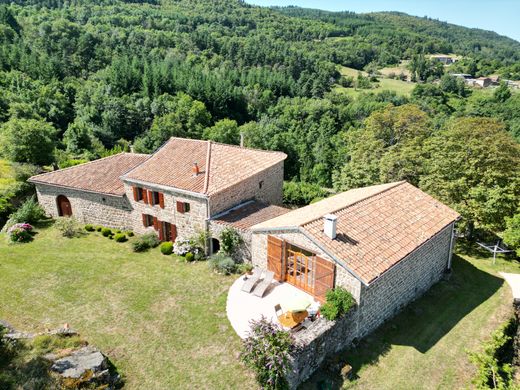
387, 244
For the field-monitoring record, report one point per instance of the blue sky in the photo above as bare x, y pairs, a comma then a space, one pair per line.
501, 16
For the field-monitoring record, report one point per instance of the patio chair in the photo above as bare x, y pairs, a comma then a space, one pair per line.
278, 310
260, 289
251, 281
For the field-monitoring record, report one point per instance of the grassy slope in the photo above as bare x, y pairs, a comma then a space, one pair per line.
425, 346
6, 175
398, 86
162, 322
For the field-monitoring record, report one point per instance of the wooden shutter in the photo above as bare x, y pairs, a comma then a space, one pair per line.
155, 223
173, 232
145, 196
145, 220
180, 207
151, 199
136, 193
161, 200
275, 258
324, 278
160, 225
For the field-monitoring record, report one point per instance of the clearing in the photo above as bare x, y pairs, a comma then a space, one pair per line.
400, 87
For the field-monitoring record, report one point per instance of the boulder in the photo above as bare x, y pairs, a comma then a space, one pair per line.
79, 362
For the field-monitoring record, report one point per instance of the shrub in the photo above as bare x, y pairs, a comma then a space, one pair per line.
146, 241
129, 233
20, 233
69, 227
30, 211
494, 369
229, 240
167, 248
266, 351
99, 228
222, 263
89, 228
120, 237
245, 268
189, 257
106, 232
338, 303
182, 246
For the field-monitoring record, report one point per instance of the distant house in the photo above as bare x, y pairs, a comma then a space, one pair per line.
483, 82
445, 59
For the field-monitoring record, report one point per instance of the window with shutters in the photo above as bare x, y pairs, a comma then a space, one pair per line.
138, 194
155, 198
183, 207
147, 220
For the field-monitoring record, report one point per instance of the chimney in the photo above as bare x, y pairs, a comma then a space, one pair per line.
195, 169
329, 225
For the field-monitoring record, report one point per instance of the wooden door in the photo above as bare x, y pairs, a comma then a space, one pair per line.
275, 257
324, 278
300, 270
64, 207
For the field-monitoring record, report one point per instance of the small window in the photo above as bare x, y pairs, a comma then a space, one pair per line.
183, 207
260, 184
147, 220
139, 194
155, 198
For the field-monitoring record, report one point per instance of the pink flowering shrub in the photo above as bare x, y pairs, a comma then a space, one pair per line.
266, 350
20, 232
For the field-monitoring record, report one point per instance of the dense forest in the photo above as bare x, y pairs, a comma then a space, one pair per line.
82, 79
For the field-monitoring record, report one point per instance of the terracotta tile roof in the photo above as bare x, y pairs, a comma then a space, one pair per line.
249, 214
96, 176
377, 230
220, 165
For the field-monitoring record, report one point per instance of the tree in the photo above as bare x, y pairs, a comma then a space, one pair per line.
511, 235
474, 166
389, 148
502, 93
77, 138
225, 130
27, 140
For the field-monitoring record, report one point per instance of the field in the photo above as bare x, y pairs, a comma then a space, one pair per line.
163, 323
400, 87
6, 175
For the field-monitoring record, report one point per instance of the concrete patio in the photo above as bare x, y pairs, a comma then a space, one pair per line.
242, 307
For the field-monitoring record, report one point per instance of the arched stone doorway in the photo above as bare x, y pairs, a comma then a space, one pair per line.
64, 207
215, 245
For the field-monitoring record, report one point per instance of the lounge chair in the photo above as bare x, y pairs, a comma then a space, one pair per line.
259, 290
251, 281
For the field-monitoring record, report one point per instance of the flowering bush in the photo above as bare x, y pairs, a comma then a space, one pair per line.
266, 350
182, 246
20, 232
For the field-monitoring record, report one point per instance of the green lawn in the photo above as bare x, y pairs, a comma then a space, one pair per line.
425, 346
162, 322
6, 175
400, 87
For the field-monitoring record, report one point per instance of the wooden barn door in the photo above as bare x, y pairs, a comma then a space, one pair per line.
275, 257
324, 278
64, 207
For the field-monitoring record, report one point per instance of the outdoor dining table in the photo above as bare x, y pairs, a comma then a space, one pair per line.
291, 319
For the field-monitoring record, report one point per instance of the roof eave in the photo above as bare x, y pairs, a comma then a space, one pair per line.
119, 195
163, 187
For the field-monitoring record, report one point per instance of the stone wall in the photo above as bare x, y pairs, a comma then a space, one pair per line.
88, 207
321, 340
243, 252
265, 186
404, 282
188, 224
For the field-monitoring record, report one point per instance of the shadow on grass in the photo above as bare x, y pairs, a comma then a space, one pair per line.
420, 325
